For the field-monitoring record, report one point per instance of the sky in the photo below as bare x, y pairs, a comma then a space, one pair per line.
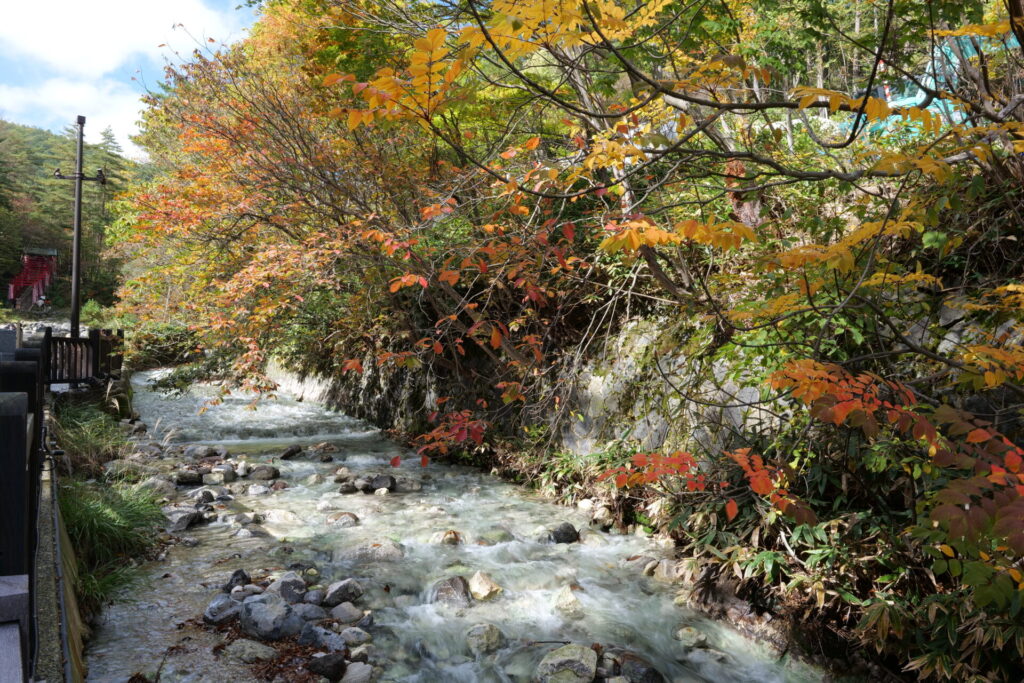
62, 58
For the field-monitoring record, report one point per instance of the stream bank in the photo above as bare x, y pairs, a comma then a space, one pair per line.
460, 576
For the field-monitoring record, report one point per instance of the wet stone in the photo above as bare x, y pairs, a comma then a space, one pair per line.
354, 635
258, 490
483, 587
348, 487
318, 636
564, 533
453, 591
568, 664
347, 613
279, 485
338, 592
291, 587
383, 481
239, 578
264, 472
291, 452
358, 672
188, 478
342, 519
221, 609
383, 551
269, 619
331, 666
484, 638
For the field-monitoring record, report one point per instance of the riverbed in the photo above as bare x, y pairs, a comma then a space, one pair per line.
499, 528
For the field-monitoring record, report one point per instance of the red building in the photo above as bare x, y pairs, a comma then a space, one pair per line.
37, 271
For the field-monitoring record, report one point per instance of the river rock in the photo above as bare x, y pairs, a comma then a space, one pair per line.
691, 637
383, 551
568, 664
358, 672
383, 481
181, 517
318, 636
221, 609
240, 593
483, 587
363, 484
277, 516
347, 613
292, 451
308, 612
354, 635
407, 485
258, 490
342, 519
279, 485
188, 478
382, 492
267, 618
338, 592
565, 533
249, 651
453, 591
217, 478
634, 668
363, 653
227, 470
568, 604
264, 472
348, 487
603, 516
484, 638
313, 480
330, 501
242, 468
450, 537
325, 457
159, 486
314, 597
291, 587
342, 474
196, 452
239, 577
330, 666
495, 536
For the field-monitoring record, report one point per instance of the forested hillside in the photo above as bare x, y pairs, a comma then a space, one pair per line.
816, 202
36, 209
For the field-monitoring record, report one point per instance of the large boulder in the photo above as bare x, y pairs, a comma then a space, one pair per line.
267, 618
568, 664
338, 592
453, 591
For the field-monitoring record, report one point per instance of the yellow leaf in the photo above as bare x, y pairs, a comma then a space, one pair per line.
532, 143
946, 550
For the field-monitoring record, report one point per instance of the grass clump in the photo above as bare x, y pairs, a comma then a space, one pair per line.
109, 525
88, 436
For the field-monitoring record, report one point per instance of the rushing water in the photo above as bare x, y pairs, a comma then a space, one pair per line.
415, 640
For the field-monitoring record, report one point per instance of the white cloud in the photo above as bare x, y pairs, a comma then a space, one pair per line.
56, 102
92, 39
89, 53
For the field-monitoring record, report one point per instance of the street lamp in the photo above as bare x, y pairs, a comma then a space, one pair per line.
76, 245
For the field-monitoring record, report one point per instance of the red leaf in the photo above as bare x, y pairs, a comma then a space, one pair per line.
396, 461
424, 460
978, 435
495, 337
731, 509
569, 231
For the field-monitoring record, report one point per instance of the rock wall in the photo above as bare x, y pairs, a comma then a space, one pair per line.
640, 387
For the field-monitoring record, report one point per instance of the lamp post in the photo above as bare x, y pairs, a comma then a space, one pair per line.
76, 244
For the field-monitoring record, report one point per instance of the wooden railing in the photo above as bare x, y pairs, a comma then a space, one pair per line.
95, 357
